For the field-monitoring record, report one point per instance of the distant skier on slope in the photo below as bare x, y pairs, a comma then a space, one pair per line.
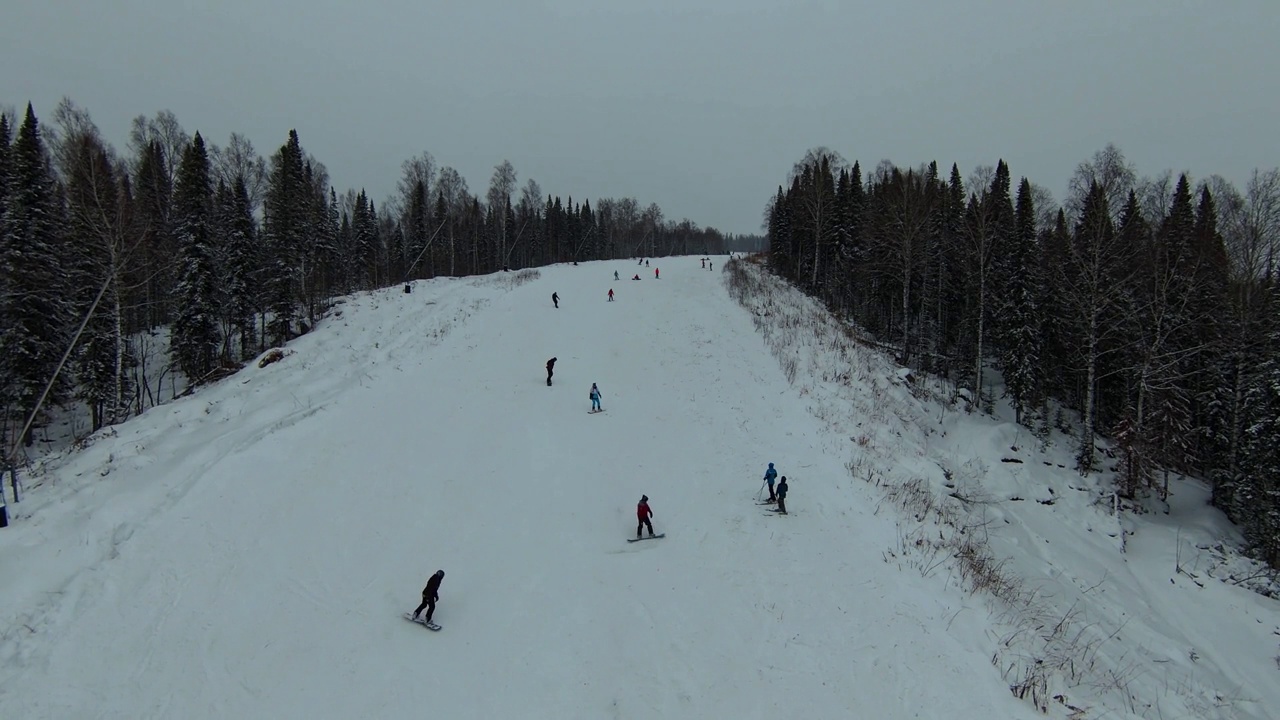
430, 594
782, 495
615, 274
655, 273
555, 300
595, 398
610, 294
551, 365
769, 476
643, 513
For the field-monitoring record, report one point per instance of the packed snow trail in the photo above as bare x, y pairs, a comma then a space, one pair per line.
273, 583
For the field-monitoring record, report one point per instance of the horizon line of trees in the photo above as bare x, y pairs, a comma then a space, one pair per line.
1149, 305
234, 252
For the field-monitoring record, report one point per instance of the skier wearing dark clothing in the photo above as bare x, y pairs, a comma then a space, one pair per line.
555, 300
782, 495
551, 364
643, 513
595, 398
430, 594
615, 274
769, 476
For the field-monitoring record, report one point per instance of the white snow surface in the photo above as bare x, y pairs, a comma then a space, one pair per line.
248, 551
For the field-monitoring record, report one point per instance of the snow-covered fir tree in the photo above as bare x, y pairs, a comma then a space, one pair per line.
36, 306
196, 339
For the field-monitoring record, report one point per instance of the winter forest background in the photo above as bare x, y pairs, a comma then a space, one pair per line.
1141, 310
1147, 305
188, 258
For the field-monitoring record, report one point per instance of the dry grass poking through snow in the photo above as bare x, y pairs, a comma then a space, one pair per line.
886, 412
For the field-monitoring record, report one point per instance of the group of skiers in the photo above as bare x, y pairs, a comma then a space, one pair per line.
779, 494
644, 514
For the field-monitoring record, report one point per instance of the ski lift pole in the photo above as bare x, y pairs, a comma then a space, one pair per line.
10, 456
424, 251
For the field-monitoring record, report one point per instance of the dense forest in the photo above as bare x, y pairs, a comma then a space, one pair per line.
231, 253
1147, 305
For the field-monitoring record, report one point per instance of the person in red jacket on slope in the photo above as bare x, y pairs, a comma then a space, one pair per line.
643, 513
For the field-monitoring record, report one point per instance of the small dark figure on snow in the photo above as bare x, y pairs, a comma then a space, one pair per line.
610, 294
769, 476
555, 300
615, 274
637, 277
551, 366
782, 495
643, 513
430, 594
595, 398
704, 263
646, 263
641, 261
655, 273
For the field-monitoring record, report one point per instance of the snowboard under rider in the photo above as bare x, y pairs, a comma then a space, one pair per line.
551, 364
769, 476
430, 594
643, 513
782, 495
595, 398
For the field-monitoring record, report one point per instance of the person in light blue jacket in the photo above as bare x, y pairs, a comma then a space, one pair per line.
769, 476
595, 398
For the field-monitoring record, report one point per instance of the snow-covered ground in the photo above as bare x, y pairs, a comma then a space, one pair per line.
248, 551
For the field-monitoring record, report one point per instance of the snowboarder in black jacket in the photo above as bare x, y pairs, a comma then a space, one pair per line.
551, 365
555, 300
781, 492
430, 594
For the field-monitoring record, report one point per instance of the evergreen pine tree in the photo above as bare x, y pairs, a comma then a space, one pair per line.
1021, 351
1256, 498
195, 340
285, 222
153, 235
240, 268
35, 305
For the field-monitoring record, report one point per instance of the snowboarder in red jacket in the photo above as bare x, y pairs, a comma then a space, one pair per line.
430, 594
643, 513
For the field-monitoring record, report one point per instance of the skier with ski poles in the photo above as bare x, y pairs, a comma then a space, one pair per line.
769, 476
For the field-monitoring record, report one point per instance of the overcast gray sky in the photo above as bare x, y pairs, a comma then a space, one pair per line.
699, 105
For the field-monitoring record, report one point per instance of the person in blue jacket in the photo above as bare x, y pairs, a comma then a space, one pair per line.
769, 476
595, 398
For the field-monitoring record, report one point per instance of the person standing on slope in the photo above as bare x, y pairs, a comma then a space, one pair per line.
655, 273
430, 594
610, 294
643, 513
615, 274
555, 300
595, 398
551, 364
769, 476
782, 495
